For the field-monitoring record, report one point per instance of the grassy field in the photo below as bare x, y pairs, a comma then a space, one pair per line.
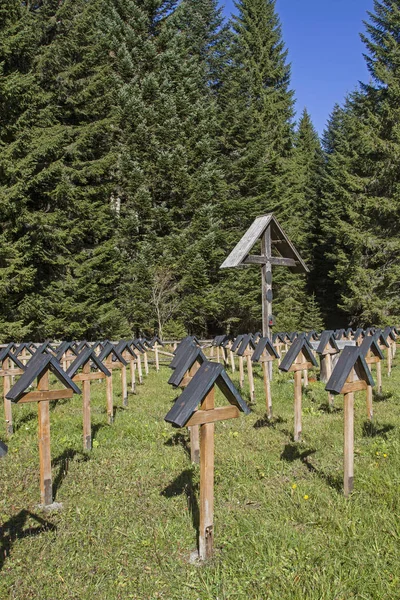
283, 529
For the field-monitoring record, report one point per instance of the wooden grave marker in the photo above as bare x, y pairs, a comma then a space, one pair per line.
276, 250
38, 368
298, 358
373, 355
383, 345
245, 350
85, 360
190, 361
10, 366
155, 344
351, 374
327, 347
265, 353
113, 361
200, 390
130, 356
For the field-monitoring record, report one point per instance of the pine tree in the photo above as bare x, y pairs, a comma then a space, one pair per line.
60, 169
361, 185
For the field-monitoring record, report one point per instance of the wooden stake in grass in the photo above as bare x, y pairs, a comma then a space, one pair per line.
200, 390
266, 353
38, 367
373, 355
245, 350
184, 370
326, 347
113, 360
83, 361
351, 374
299, 357
10, 366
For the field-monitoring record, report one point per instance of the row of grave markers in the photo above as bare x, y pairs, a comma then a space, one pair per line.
70, 363
197, 375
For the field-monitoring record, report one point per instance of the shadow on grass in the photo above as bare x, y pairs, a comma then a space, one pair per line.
370, 430
184, 484
14, 530
382, 396
96, 428
330, 410
266, 422
32, 416
62, 462
179, 439
60, 402
291, 453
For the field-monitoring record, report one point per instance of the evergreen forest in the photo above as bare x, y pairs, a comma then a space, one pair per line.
139, 139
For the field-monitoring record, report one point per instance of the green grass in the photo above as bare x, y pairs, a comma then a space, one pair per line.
129, 507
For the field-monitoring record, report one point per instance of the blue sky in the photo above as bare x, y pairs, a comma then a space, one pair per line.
325, 50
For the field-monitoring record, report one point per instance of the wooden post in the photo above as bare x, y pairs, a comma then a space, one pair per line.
206, 531
217, 354
124, 386
146, 366
156, 356
194, 430
232, 361
389, 360
46, 490
267, 388
241, 372
305, 378
297, 406
266, 289
194, 444
109, 392
133, 376
7, 403
87, 429
379, 377
370, 406
348, 481
250, 376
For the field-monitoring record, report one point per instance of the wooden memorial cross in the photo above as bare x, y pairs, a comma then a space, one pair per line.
373, 355
326, 347
38, 368
383, 345
299, 357
351, 374
145, 345
358, 336
85, 359
227, 348
24, 352
265, 353
10, 366
246, 350
218, 343
113, 361
200, 390
127, 352
390, 338
185, 370
66, 354
276, 250
155, 344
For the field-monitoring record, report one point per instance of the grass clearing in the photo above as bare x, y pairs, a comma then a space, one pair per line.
283, 530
